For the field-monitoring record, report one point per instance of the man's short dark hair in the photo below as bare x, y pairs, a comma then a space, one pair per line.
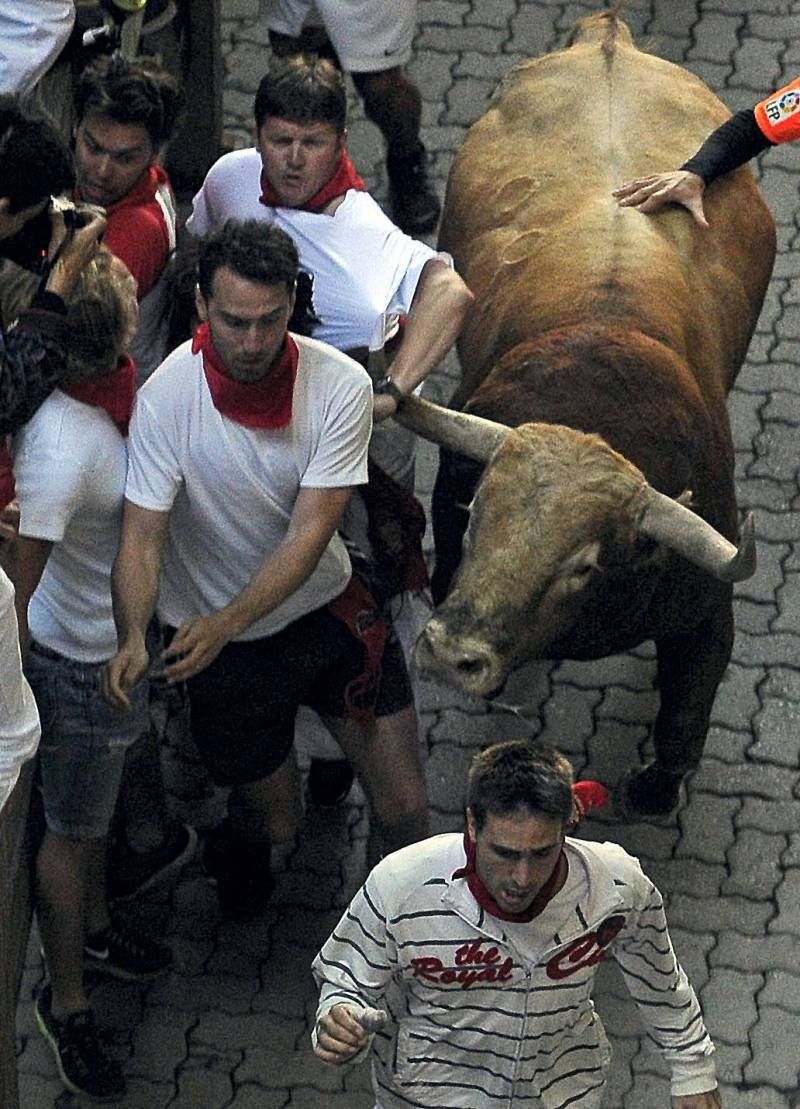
517, 775
124, 91
303, 89
34, 161
253, 249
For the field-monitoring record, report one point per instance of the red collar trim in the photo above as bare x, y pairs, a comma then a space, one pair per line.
262, 404
142, 192
114, 392
344, 178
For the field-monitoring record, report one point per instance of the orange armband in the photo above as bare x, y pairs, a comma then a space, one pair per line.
778, 115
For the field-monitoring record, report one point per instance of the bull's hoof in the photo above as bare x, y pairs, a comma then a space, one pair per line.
649, 791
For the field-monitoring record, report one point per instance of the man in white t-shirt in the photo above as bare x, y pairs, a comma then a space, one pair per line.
245, 446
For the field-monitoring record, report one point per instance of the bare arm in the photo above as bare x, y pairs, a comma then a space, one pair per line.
316, 515
436, 316
134, 588
32, 556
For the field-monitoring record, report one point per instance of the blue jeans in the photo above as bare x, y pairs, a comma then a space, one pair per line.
84, 740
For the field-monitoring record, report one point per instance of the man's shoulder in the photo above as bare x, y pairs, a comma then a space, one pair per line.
234, 162
323, 359
611, 860
175, 377
427, 865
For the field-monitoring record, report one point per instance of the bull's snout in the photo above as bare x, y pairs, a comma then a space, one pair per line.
465, 661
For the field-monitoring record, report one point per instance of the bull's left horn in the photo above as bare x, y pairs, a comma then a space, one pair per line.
460, 432
670, 523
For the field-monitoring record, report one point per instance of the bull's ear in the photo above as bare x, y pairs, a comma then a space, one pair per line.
576, 570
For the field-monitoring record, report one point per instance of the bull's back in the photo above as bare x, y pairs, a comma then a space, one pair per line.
534, 229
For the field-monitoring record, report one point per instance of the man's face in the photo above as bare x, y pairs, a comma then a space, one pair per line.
110, 158
298, 158
515, 854
248, 322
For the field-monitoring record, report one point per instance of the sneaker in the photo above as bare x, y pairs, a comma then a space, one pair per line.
133, 872
329, 781
122, 953
241, 872
414, 202
83, 1062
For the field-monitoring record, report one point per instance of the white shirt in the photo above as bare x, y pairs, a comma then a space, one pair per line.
32, 35
70, 464
230, 490
365, 269
19, 720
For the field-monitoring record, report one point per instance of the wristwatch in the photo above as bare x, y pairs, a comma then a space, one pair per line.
387, 387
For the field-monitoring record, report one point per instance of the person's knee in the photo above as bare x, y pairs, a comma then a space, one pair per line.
377, 88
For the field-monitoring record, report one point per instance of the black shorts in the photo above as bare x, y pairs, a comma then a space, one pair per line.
243, 705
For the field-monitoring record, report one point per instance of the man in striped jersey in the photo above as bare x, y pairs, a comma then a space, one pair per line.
483, 950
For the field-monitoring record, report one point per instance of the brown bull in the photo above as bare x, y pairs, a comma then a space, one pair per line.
609, 340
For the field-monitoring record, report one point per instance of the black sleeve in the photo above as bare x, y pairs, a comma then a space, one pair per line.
33, 359
737, 141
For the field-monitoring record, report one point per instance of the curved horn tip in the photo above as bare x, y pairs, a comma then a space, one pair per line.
743, 564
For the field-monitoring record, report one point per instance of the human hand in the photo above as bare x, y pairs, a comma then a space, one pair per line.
125, 670
72, 250
195, 645
9, 522
650, 194
339, 1036
709, 1100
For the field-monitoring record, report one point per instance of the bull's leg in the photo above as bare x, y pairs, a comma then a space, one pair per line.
455, 485
690, 667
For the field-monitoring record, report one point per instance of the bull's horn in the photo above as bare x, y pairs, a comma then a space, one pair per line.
677, 527
459, 432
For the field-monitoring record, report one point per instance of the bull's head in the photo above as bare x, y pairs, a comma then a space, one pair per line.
555, 510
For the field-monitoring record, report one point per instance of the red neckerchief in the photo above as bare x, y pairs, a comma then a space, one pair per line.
113, 392
588, 795
262, 404
344, 177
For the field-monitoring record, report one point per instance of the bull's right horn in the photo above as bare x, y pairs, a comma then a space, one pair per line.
669, 522
460, 432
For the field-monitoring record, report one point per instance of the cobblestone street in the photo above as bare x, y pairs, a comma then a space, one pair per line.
229, 1028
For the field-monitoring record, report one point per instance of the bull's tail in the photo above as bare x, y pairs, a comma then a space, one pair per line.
605, 27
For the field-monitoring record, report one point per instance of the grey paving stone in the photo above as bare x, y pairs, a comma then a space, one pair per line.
787, 897
200, 993
286, 982
715, 37
492, 13
252, 1096
791, 856
754, 65
486, 67
199, 1086
732, 998
690, 876
773, 26
468, 102
431, 71
754, 864
771, 1062
533, 29
756, 619
753, 650
757, 954
440, 776
452, 40
737, 697
745, 416
299, 1067
730, 1060
707, 827
782, 991
767, 816
756, 1097
160, 1044
777, 733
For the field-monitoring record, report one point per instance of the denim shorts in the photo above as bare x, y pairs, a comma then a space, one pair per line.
84, 740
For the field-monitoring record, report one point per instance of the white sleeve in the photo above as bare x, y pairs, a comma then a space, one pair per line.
667, 1004
154, 472
19, 720
32, 35
49, 474
202, 220
340, 456
420, 255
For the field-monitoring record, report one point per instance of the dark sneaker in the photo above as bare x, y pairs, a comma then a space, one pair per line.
329, 781
133, 872
415, 205
83, 1061
241, 872
122, 953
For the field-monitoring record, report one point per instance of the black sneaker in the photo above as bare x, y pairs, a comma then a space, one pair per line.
241, 872
329, 781
83, 1062
415, 205
133, 872
125, 954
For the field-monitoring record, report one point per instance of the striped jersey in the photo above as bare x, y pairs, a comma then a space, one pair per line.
487, 1014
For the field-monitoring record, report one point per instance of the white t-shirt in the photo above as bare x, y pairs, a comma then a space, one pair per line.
365, 269
70, 464
19, 720
230, 490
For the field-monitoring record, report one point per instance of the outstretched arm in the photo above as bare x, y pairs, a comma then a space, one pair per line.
316, 515
437, 313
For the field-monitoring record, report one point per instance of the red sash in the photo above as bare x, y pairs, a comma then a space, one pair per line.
114, 392
260, 404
